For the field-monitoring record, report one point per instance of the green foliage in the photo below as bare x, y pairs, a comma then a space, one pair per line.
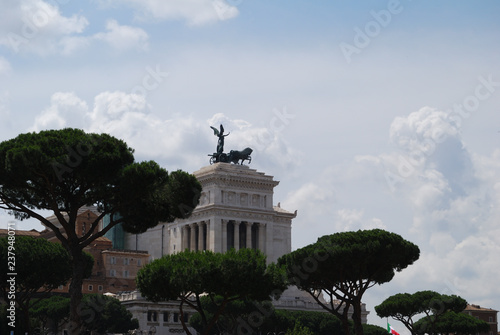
232, 275
344, 265
64, 170
66, 166
54, 309
320, 323
373, 330
235, 314
372, 255
451, 322
38, 263
100, 313
299, 329
253, 317
40, 266
105, 314
404, 307
168, 196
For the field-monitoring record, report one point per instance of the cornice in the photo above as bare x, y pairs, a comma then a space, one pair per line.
225, 175
209, 211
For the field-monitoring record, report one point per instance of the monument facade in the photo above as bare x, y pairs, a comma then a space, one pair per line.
235, 211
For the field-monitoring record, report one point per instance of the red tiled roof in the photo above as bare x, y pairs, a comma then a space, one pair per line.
478, 308
33, 232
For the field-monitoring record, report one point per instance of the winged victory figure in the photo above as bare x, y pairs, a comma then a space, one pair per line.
220, 135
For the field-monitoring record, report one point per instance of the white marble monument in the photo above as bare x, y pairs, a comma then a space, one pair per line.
235, 211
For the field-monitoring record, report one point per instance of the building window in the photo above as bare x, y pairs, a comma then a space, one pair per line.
60, 287
490, 318
152, 316
125, 274
112, 260
139, 262
112, 273
165, 316
99, 288
126, 261
186, 317
91, 288
176, 317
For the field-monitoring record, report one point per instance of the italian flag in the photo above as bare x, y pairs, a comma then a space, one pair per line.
391, 330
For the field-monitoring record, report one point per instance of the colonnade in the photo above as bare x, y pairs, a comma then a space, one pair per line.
233, 234
195, 236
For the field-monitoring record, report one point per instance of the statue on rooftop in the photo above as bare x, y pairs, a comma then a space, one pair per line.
220, 135
234, 156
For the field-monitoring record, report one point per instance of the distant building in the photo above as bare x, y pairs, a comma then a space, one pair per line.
33, 232
116, 234
488, 315
114, 269
156, 317
235, 211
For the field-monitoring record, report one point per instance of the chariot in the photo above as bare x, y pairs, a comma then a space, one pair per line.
234, 156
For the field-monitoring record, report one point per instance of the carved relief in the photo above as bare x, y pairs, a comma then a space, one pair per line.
256, 200
244, 199
231, 197
203, 199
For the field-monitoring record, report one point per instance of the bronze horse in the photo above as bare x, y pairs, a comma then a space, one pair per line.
235, 155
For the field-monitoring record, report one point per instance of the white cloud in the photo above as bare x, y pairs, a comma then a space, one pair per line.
123, 37
422, 130
468, 268
195, 12
4, 111
71, 44
65, 110
177, 141
352, 220
450, 199
454, 198
36, 26
436, 173
4, 66
119, 37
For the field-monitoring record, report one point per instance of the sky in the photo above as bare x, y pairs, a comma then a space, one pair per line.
373, 114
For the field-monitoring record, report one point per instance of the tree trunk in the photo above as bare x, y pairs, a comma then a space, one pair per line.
346, 326
26, 317
184, 326
214, 319
75, 292
356, 318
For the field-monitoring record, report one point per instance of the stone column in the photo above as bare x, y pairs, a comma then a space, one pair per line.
269, 242
185, 242
193, 236
224, 235
209, 247
249, 234
237, 235
200, 235
262, 237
